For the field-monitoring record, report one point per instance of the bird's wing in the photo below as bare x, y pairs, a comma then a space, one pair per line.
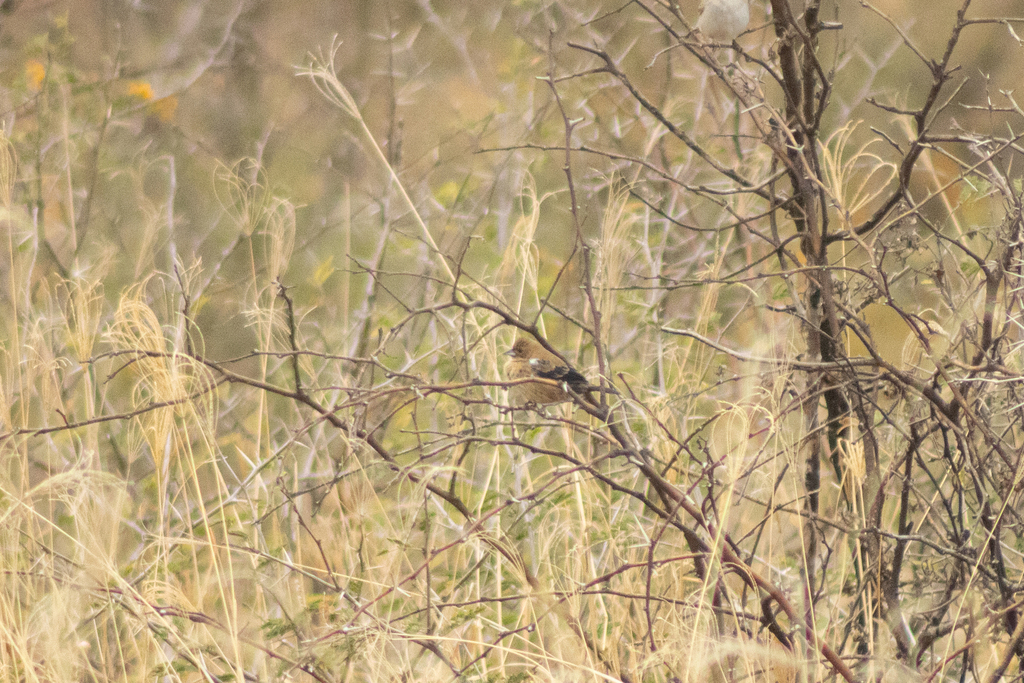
561, 373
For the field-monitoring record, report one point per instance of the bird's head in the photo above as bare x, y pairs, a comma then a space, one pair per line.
521, 349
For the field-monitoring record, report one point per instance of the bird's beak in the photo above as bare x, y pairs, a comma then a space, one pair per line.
510, 352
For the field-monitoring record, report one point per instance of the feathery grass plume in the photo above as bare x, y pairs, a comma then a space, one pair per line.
181, 438
685, 364
8, 170
242, 190
8, 395
152, 229
75, 514
188, 335
82, 310
854, 468
162, 374
520, 264
279, 234
854, 181
322, 72
41, 396
614, 254
12, 373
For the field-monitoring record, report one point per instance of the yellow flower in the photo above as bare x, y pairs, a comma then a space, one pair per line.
164, 108
35, 72
140, 89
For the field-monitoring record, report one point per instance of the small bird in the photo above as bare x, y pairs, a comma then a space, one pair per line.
527, 358
723, 20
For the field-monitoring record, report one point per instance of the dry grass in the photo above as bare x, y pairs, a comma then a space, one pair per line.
296, 461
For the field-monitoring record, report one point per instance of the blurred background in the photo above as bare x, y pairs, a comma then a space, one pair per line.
153, 97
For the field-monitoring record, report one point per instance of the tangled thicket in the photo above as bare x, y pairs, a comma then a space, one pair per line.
800, 290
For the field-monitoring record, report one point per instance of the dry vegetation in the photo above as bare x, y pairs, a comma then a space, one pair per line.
252, 416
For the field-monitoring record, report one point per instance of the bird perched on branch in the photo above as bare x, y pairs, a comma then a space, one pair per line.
527, 358
723, 20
